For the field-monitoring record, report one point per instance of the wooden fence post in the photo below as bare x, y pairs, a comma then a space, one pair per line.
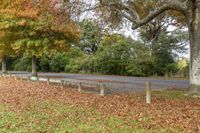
62, 83
67, 84
9, 74
28, 79
79, 87
48, 81
102, 93
148, 92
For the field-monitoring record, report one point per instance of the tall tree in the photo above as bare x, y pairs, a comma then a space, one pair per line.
163, 44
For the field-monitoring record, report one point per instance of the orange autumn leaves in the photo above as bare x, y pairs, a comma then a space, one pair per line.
38, 20
51, 10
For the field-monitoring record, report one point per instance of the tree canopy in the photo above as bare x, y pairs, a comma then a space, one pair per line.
37, 27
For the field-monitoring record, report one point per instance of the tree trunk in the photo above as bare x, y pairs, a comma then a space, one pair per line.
4, 70
34, 66
194, 31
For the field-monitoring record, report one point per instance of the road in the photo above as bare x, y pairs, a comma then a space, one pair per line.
118, 84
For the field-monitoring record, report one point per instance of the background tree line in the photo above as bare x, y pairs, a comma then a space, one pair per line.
98, 51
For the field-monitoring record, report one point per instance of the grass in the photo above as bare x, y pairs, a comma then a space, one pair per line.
171, 94
54, 117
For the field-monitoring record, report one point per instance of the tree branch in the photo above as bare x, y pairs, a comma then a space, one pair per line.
169, 5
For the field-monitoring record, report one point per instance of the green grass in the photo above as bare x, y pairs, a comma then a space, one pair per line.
175, 94
58, 118
53, 117
8, 120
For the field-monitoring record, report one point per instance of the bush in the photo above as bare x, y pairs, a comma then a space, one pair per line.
22, 64
58, 62
44, 64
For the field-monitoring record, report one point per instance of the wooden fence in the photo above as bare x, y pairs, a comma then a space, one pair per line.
80, 85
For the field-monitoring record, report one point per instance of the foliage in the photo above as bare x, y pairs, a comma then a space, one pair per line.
5, 45
35, 29
76, 57
140, 68
183, 67
164, 46
22, 64
44, 64
58, 62
124, 56
116, 55
90, 36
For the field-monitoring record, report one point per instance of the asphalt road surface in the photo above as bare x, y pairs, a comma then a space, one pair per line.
117, 84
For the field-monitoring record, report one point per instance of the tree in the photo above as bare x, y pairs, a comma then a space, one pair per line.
157, 29
117, 54
90, 36
164, 47
39, 27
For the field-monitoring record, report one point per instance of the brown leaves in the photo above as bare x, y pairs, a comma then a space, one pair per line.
183, 114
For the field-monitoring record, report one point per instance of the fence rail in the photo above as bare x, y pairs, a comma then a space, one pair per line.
80, 85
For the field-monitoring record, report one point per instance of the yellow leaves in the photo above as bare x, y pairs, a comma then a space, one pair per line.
5, 46
17, 8
61, 45
73, 30
32, 14
182, 64
5, 49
